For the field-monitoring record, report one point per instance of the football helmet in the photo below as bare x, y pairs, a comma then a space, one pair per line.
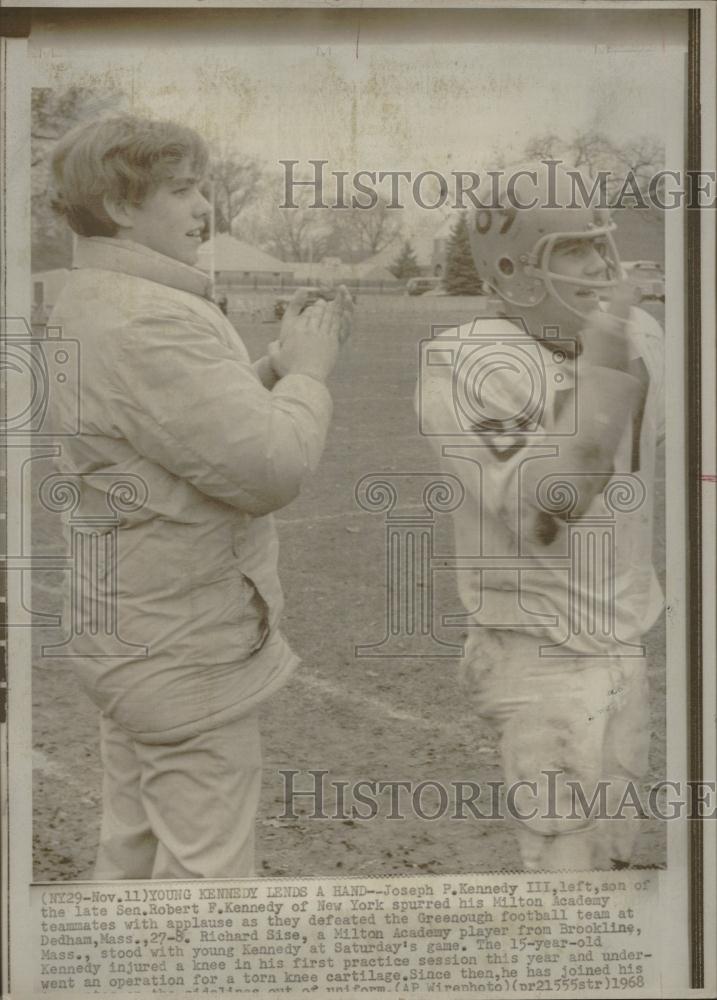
512, 239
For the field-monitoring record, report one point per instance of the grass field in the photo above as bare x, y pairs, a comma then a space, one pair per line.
356, 718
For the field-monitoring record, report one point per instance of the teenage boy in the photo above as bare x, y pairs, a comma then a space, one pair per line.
549, 417
170, 401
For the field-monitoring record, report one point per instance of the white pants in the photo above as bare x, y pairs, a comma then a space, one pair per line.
179, 810
584, 719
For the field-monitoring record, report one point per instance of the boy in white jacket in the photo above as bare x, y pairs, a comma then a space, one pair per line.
175, 617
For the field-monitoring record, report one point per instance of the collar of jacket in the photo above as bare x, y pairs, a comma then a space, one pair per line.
110, 254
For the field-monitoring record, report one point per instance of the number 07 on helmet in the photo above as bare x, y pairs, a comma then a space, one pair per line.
539, 206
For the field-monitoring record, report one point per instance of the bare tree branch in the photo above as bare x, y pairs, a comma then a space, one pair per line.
237, 183
362, 233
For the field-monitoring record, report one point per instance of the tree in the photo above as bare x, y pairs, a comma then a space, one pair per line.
237, 182
405, 265
363, 232
546, 146
643, 156
307, 233
641, 159
461, 277
592, 150
297, 234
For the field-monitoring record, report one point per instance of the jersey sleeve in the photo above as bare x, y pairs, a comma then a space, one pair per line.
652, 348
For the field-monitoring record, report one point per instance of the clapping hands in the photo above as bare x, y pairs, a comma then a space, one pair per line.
312, 335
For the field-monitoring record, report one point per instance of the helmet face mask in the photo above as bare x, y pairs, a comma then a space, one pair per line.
513, 247
601, 238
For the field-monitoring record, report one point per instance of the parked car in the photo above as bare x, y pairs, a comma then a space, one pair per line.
314, 294
648, 276
419, 286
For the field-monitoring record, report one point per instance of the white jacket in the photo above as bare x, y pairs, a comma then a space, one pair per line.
170, 402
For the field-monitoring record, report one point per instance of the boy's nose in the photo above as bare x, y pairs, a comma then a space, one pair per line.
595, 264
202, 205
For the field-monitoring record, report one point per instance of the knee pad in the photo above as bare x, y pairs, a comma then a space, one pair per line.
545, 746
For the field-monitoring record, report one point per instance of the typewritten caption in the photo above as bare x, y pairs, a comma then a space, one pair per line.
563, 933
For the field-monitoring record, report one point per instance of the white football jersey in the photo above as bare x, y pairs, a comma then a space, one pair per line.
489, 399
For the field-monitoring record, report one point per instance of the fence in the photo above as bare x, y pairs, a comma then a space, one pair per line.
279, 284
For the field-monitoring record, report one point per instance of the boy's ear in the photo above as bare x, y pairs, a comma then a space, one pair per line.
119, 211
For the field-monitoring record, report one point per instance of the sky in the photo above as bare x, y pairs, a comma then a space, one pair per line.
381, 92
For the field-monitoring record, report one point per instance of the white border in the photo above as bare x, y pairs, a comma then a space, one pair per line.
16, 220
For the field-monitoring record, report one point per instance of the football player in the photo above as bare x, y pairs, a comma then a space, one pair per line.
549, 415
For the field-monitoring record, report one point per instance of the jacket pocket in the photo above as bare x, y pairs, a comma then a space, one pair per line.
257, 553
